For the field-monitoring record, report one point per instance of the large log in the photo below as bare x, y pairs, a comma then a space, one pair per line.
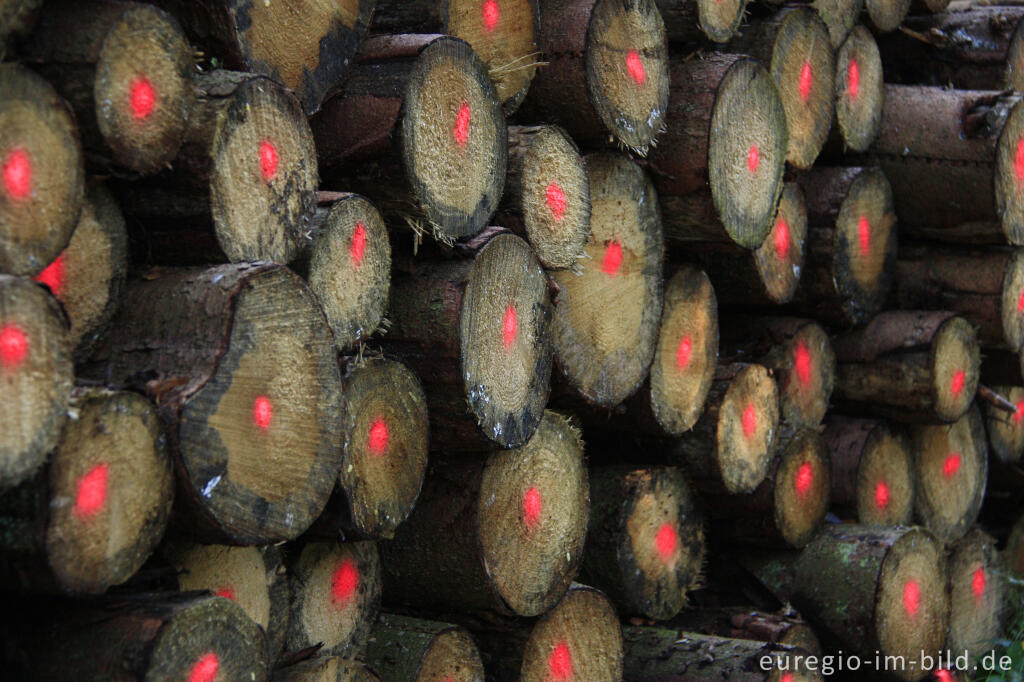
241, 364
406, 649
860, 89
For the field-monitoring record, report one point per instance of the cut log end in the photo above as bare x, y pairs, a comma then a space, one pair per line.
780, 258
350, 269
840, 16
36, 374
887, 15
719, 19
404, 648
807, 376
860, 89
580, 638
1006, 429
506, 348
42, 180
747, 423
1009, 176
264, 174
885, 478
747, 152
1014, 77
956, 368
803, 65
335, 595
142, 90
951, 466
454, 138
606, 319
532, 517
1012, 302
979, 599
685, 358
802, 488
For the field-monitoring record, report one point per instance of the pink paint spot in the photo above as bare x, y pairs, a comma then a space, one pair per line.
227, 592
205, 669
911, 598
957, 384
461, 130
141, 98
881, 495
635, 66
612, 259
268, 160
1018, 162
18, 174
943, 675
358, 247
864, 236
555, 198
262, 412
53, 276
782, 239
560, 662
1018, 416
1020, 302
804, 478
509, 327
91, 494
853, 79
532, 506
13, 346
806, 81
753, 159
492, 13
788, 677
802, 363
951, 465
749, 421
378, 440
683, 352
667, 542
978, 583
344, 583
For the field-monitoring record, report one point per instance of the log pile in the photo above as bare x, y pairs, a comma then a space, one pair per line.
555, 340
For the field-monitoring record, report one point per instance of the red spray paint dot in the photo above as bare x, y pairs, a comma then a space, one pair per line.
1018, 416
881, 495
951, 465
683, 352
635, 66
532, 507
509, 327
491, 13
667, 542
612, 259
18, 174
864, 236
560, 662
53, 276
806, 81
804, 478
378, 440
461, 130
749, 421
205, 669
227, 592
1020, 302
943, 675
1018, 162
92, 491
788, 677
13, 346
358, 247
911, 598
853, 79
555, 199
782, 239
753, 159
802, 363
978, 583
957, 384
262, 412
344, 583
141, 98
268, 160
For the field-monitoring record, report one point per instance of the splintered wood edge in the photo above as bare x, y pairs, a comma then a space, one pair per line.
860, 89
802, 488
885, 478
780, 258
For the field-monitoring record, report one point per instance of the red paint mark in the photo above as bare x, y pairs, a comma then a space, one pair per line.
268, 160
804, 478
753, 159
378, 440
911, 598
951, 465
358, 246
635, 66
881, 495
978, 583
560, 662
532, 506
802, 363
18, 174
141, 98
227, 592
864, 236
262, 412
806, 81
205, 669
91, 493
509, 327
683, 352
1018, 416
53, 275
853, 79
462, 125
667, 542
344, 583
491, 13
1020, 302
555, 198
612, 259
943, 675
749, 421
13, 346
957, 384
782, 239
788, 677
1018, 162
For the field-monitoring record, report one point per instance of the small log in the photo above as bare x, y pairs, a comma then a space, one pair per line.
979, 596
326, 669
860, 89
688, 21
1006, 429
406, 649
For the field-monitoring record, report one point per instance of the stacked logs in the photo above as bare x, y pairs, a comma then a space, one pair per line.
517, 339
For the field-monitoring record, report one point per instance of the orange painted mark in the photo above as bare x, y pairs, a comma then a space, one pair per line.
881, 495
951, 465
533, 504
262, 412
141, 98
268, 160
17, 172
753, 158
667, 542
205, 669
683, 352
491, 14
782, 239
344, 583
802, 363
853, 79
358, 247
555, 199
91, 493
806, 81
378, 440
560, 662
461, 130
54, 275
13, 346
911, 598
749, 420
509, 327
635, 66
612, 260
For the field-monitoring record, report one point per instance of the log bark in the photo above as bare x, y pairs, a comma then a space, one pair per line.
416, 650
